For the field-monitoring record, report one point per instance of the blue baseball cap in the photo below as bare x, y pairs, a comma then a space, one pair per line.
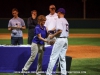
62, 10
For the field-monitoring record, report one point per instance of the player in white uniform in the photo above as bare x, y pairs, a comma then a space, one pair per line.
61, 44
51, 21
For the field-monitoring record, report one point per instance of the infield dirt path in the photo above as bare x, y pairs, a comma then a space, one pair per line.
75, 51
79, 51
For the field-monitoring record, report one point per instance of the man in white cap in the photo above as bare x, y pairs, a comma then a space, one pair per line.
61, 44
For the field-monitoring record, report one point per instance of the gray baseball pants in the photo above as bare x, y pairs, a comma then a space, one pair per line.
35, 48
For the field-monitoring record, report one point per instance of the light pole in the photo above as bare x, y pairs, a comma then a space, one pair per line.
84, 9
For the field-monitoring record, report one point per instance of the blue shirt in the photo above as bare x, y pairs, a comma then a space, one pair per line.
39, 30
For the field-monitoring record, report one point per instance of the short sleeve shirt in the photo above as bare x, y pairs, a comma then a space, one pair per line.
13, 23
39, 30
62, 24
51, 21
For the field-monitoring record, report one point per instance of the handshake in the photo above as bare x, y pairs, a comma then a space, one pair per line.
51, 42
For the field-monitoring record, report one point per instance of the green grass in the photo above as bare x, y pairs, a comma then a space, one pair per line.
72, 41
90, 65
8, 42
86, 31
84, 41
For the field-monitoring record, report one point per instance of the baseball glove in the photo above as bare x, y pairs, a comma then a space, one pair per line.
51, 42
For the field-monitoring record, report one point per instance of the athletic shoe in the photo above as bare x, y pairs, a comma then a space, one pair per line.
24, 72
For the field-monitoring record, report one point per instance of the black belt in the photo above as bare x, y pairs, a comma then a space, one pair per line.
62, 37
51, 32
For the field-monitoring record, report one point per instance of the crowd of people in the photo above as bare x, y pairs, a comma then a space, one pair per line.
52, 29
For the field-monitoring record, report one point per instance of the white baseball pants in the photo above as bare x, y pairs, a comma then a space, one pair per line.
59, 51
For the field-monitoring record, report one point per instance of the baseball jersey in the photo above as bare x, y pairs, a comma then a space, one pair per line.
39, 30
51, 21
13, 23
63, 25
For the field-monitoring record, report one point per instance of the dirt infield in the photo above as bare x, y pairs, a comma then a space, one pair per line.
80, 51
8, 36
75, 51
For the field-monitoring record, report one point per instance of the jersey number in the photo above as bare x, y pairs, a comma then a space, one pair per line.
67, 27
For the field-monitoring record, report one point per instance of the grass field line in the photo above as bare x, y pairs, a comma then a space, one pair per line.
25, 35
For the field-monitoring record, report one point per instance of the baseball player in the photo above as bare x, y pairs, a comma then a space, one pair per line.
61, 44
51, 21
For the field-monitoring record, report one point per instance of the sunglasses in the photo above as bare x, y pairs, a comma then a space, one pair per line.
43, 20
52, 8
13, 13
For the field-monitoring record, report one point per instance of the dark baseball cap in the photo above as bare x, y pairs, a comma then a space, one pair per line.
62, 10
